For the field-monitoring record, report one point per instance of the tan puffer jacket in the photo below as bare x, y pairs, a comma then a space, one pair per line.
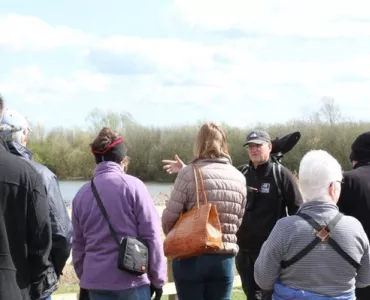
225, 187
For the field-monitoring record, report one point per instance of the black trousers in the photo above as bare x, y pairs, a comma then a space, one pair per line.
363, 293
245, 266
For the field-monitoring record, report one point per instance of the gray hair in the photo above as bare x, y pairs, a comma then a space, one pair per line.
317, 170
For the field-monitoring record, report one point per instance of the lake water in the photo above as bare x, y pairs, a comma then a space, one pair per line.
159, 191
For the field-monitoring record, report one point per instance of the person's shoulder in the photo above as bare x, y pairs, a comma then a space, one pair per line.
235, 173
353, 227
284, 169
357, 173
287, 173
85, 188
289, 221
18, 165
132, 180
22, 172
133, 184
43, 170
352, 222
185, 172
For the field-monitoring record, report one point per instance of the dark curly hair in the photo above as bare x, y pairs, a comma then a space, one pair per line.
104, 139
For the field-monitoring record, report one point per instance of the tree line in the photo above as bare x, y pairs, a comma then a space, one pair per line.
66, 150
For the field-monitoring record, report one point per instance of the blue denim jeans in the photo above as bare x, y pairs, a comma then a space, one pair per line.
204, 277
139, 293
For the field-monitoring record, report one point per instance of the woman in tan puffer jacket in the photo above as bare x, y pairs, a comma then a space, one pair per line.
208, 276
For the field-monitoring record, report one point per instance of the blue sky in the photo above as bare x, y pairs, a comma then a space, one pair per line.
179, 61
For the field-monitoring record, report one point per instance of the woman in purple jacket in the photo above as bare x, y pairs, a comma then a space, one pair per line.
131, 212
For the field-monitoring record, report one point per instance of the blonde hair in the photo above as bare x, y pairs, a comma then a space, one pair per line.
211, 142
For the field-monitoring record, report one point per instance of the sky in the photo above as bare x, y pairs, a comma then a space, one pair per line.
175, 62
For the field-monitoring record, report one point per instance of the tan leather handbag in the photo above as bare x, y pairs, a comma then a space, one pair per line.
197, 231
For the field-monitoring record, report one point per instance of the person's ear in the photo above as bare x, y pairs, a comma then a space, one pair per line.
24, 139
331, 189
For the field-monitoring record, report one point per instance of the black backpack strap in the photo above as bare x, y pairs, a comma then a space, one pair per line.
103, 211
343, 253
319, 227
244, 169
286, 263
276, 171
322, 234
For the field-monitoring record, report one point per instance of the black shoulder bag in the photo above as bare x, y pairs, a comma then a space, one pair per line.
133, 256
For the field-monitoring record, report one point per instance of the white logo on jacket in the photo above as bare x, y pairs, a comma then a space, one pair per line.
265, 188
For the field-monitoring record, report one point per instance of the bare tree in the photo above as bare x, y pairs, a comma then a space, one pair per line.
330, 111
1, 106
118, 121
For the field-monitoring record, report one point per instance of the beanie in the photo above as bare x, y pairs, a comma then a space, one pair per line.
361, 147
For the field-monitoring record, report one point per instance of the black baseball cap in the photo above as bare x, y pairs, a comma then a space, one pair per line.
258, 137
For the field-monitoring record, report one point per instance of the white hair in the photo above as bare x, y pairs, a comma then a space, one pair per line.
14, 122
20, 136
317, 170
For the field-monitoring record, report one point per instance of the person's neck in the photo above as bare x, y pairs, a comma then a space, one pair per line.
257, 164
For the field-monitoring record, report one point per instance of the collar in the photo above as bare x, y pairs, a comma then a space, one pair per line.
19, 150
263, 169
108, 166
362, 163
224, 160
318, 206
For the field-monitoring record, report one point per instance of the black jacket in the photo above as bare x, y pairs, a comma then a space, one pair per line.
263, 206
354, 199
25, 229
60, 222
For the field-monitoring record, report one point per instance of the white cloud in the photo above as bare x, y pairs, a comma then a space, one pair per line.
19, 33
235, 79
31, 84
298, 18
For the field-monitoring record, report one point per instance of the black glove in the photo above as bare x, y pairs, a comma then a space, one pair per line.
157, 291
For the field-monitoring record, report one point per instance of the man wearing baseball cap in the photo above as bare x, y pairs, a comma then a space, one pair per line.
264, 207
258, 137
354, 199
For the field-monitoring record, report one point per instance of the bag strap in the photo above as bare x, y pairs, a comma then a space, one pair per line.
196, 170
103, 211
202, 184
322, 234
196, 185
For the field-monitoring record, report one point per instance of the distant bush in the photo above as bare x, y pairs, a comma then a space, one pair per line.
66, 150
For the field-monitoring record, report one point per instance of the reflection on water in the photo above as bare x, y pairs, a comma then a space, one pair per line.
159, 191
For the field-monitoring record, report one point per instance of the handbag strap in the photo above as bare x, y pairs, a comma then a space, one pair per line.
196, 169
196, 185
103, 211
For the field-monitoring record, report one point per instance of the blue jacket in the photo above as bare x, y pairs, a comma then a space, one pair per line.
282, 292
61, 224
